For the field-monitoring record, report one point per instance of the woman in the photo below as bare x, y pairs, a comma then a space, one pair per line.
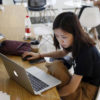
69, 35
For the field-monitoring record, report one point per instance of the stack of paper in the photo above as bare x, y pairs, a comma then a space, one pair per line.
2, 37
4, 96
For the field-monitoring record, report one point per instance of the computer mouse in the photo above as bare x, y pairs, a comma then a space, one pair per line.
25, 58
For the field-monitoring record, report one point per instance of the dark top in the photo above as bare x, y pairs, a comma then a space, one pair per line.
0, 1
87, 64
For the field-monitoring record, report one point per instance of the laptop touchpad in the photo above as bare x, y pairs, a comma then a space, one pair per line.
33, 70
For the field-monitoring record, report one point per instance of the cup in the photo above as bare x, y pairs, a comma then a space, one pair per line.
35, 45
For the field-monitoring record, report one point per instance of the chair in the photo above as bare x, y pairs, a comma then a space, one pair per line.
37, 6
89, 19
50, 5
19, 1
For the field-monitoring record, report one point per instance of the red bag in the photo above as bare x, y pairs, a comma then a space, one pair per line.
14, 47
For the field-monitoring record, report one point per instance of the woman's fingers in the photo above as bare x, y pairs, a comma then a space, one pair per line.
34, 55
31, 58
26, 54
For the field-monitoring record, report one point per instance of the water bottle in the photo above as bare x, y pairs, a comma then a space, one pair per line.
27, 35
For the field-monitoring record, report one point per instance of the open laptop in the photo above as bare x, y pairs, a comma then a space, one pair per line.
33, 79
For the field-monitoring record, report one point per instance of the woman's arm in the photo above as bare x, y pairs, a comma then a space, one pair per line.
55, 54
71, 87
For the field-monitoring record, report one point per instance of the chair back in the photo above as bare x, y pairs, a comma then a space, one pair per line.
90, 17
36, 3
19, 1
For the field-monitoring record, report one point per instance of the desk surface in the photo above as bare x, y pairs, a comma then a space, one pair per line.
12, 26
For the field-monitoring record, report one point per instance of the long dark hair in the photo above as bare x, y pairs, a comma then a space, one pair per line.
69, 22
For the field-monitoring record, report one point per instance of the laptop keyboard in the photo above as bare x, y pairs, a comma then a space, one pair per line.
37, 84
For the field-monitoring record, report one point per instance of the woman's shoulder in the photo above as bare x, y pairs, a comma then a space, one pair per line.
88, 51
93, 49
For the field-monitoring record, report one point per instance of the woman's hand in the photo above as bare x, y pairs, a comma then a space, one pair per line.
34, 55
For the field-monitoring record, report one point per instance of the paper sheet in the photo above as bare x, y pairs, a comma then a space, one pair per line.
4, 96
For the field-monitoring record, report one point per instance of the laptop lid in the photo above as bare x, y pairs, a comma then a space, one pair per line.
17, 73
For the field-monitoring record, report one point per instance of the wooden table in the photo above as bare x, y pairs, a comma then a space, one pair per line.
12, 26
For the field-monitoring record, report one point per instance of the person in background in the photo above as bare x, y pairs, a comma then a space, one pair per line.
68, 34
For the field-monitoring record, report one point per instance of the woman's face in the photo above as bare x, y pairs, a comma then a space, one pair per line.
65, 39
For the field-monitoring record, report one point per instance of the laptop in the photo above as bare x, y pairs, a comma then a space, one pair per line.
33, 79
